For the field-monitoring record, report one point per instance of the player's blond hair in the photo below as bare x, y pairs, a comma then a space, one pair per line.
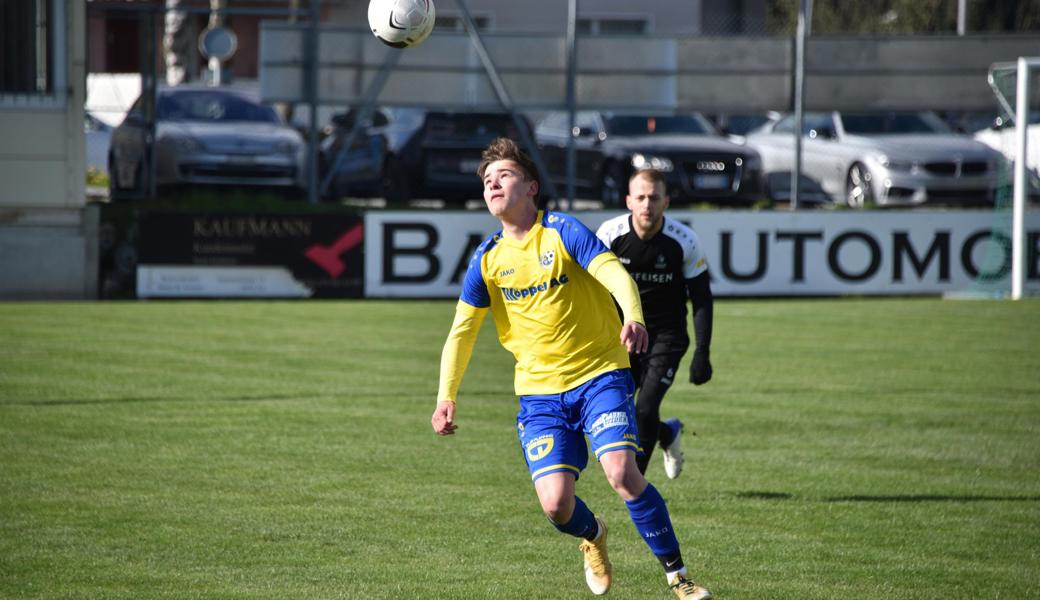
506, 149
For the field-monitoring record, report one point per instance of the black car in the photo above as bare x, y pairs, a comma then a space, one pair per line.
441, 158
698, 163
369, 168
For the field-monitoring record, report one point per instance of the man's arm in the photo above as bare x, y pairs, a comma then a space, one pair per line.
607, 270
458, 349
699, 290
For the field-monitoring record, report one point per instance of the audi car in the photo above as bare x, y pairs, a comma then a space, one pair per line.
698, 163
205, 136
880, 159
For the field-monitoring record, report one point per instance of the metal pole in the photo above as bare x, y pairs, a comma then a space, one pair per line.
311, 75
1021, 182
572, 68
504, 98
962, 16
804, 23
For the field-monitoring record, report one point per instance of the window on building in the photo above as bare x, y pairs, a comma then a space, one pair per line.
25, 47
32, 53
612, 26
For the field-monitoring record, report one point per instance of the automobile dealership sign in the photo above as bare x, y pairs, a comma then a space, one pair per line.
424, 254
202, 255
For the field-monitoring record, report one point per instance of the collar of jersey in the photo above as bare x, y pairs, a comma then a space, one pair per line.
530, 235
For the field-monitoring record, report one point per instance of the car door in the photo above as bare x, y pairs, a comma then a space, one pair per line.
821, 153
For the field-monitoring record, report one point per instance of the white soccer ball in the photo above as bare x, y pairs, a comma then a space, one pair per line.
401, 23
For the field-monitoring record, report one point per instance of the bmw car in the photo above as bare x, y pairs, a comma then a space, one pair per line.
205, 136
698, 163
879, 159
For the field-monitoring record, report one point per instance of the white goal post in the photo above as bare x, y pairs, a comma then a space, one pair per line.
1019, 112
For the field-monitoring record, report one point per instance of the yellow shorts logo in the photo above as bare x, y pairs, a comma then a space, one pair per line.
539, 447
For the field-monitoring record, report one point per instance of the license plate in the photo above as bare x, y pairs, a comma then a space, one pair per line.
239, 159
710, 182
469, 166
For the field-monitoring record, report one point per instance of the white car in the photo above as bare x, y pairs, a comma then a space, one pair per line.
879, 159
1001, 137
205, 136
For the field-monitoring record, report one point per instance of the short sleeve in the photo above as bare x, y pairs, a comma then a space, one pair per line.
474, 287
579, 240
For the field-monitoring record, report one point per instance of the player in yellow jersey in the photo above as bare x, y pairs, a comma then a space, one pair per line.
550, 286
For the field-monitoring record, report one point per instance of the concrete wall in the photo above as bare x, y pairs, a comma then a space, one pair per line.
48, 239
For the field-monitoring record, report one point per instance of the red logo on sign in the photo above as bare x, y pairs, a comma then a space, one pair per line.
330, 258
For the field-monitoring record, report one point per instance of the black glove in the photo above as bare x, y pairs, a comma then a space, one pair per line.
700, 367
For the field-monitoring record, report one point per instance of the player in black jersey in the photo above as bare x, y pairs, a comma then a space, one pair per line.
667, 262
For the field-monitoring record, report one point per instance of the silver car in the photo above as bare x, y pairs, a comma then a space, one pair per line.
878, 159
205, 136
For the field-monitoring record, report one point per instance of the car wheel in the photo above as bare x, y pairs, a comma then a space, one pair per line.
859, 190
394, 182
611, 187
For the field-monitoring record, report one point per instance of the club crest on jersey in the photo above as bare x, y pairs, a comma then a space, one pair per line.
539, 447
546, 260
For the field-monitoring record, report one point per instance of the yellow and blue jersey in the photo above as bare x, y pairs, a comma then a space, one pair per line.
556, 319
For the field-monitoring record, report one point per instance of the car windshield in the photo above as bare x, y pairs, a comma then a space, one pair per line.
892, 123
469, 128
623, 125
212, 106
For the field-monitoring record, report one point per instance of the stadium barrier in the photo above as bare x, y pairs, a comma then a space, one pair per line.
424, 254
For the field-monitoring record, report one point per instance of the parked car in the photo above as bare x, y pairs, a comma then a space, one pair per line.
441, 157
370, 168
698, 163
205, 136
1001, 137
883, 159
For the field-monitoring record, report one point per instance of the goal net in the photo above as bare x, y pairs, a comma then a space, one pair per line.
1016, 135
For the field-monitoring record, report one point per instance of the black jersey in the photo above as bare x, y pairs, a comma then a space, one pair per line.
660, 266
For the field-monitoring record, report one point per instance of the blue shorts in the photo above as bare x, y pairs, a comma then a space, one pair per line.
552, 427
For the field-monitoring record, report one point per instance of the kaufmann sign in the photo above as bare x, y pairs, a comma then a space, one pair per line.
749, 254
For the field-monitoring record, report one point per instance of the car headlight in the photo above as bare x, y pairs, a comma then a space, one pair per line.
896, 165
649, 161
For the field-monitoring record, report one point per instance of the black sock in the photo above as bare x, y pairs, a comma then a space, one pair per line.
671, 562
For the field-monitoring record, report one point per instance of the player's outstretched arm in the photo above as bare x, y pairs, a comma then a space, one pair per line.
454, 359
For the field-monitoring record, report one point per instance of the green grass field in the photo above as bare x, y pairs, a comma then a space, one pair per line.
874, 448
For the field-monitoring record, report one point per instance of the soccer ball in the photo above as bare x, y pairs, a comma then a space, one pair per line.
401, 23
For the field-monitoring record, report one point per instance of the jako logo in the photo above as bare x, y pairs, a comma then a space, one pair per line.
514, 294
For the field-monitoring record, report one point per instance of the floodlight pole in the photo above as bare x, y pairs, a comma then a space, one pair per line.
1021, 182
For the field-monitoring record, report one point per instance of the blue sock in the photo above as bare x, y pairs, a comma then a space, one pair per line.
650, 516
582, 524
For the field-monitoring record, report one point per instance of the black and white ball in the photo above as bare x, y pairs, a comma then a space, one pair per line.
401, 23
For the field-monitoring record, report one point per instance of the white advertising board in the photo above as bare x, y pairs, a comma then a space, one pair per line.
424, 254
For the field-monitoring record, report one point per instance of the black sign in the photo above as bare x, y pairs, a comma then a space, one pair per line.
322, 252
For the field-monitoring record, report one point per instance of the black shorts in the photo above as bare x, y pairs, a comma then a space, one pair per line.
661, 360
